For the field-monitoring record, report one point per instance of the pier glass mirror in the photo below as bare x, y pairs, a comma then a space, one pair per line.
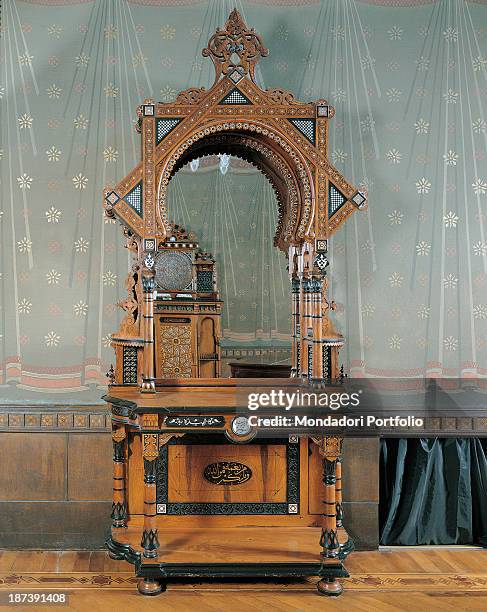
287, 141
175, 419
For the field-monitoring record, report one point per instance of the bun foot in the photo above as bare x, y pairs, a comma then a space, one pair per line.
149, 586
329, 586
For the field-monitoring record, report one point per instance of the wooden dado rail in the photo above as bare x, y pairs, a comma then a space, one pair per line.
56, 486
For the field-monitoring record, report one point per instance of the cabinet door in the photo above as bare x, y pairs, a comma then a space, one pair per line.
175, 347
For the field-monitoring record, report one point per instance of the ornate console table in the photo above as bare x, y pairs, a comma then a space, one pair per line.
186, 469
221, 504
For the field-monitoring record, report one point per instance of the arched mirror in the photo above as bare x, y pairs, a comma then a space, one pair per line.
232, 207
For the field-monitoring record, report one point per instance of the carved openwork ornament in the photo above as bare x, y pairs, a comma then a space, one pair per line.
235, 50
190, 96
150, 446
129, 325
289, 137
329, 446
165, 437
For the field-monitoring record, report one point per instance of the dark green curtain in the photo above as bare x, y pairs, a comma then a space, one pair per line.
433, 491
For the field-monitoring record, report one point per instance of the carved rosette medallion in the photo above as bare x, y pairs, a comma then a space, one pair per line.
173, 271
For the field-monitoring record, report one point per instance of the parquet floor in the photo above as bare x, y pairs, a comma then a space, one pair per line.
391, 580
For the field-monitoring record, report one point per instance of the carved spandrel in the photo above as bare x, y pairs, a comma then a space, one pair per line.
191, 96
164, 438
281, 96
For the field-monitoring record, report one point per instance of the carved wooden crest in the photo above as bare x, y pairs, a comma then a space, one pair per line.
286, 139
235, 50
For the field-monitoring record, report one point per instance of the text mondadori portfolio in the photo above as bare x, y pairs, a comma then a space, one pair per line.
331, 421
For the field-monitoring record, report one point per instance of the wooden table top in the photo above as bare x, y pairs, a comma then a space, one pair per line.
194, 393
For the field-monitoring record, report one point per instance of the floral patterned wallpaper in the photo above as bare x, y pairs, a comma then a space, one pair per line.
409, 83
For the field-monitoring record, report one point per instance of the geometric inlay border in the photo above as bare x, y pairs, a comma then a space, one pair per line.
423, 582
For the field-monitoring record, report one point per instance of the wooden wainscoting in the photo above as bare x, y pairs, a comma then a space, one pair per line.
55, 481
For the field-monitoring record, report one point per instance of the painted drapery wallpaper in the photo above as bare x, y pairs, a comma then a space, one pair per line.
408, 79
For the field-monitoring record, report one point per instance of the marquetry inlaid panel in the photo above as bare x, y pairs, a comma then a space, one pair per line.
188, 463
175, 350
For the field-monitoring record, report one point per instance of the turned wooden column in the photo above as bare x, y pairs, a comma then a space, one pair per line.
119, 508
302, 328
296, 339
330, 448
346, 542
148, 285
338, 493
317, 347
150, 452
306, 327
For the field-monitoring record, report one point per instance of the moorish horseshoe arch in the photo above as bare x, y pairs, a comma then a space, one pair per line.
288, 141
239, 146
288, 175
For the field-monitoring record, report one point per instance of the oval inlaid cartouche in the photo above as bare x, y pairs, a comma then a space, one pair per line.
227, 473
